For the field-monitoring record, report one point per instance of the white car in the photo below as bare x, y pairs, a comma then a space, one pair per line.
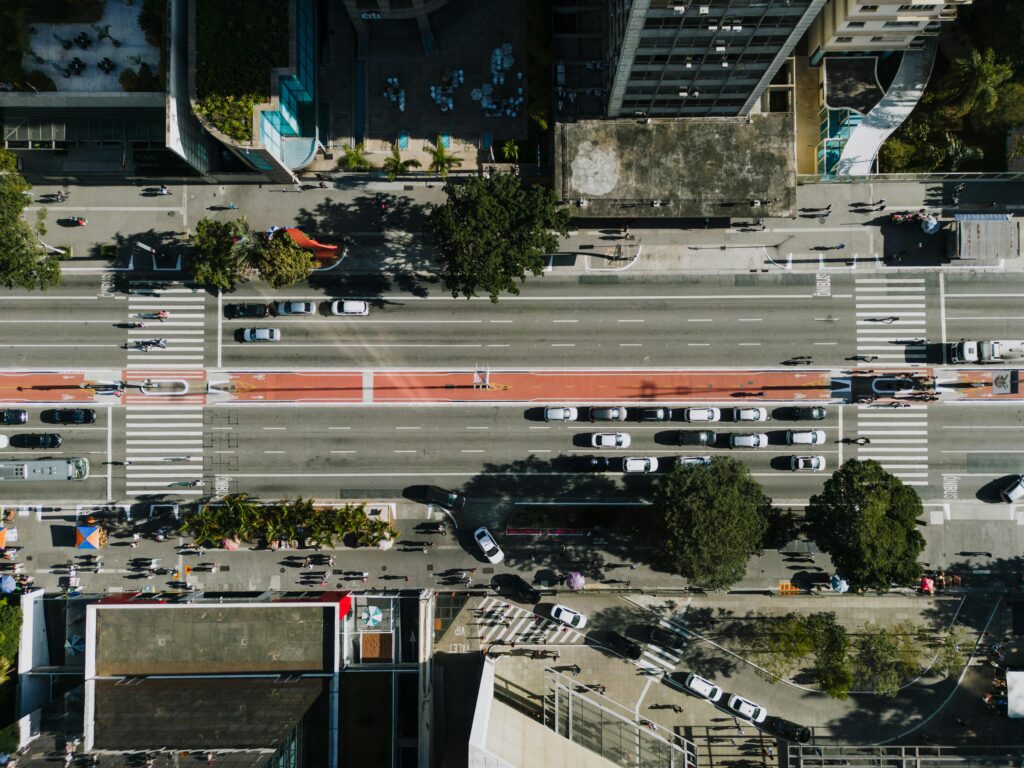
488, 545
561, 413
610, 440
340, 307
1015, 491
261, 334
640, 465
704, 688
568, 616
750, 414
807, 463
295, 308
693, 461
809, 437
748, 710
702, 414
756, 440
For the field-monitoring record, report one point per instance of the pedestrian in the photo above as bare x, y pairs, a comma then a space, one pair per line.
574, 670
135, 540
677, 709
627, 583
632, 566
881, 205
307, 562
827, 209
232, 206
406, 578
841, 247
330, 561
827, 213
323, 581
512, 644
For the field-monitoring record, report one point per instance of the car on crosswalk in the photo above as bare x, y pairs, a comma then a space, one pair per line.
665, 638
623, 645
567, 615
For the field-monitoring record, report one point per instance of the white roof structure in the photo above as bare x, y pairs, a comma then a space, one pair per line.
1015, 695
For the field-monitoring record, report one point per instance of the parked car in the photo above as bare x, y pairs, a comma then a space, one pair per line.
808, 437
623, 646
693, 461
593, 463
750, 414
784, 729
560, 413
748, 710
491, 551
698, 686
807, 463
70, 416
37, 440
655, 414
610, 440
568, 616
350, 307
450, 500
640, 465
755, 440
808, 413
511, 584
702, 414
13, 416
1014, 491
239, 311
296, 308
607, 413
697, 437
665, 638
257, 335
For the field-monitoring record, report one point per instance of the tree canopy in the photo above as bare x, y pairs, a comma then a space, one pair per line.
975, 81
24, 262
866, 520
281, 262
224, 251
491, 232
216, 262
713, 518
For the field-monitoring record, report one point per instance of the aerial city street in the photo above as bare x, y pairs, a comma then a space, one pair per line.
511, 382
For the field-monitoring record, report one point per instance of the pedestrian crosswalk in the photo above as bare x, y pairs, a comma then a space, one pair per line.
164, 450
182, 328
899, 440
658, 656
891, 320
501, 622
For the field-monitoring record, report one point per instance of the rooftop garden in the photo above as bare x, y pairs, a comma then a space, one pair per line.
237, 46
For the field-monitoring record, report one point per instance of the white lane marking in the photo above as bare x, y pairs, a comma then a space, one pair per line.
342, 451
699, 320
628, 321
749, 319
565, 321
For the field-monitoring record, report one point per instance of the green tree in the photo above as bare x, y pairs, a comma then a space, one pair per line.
491, 232
884, 659
974, 81
441, 160
833, 668
712, 519
216, 264
24, 262
354, 158
780, 646
281, 262
10, 637
510, 151
952, 653
866, 519
394, 165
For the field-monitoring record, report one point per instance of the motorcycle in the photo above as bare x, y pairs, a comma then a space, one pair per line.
79, 221
135, 326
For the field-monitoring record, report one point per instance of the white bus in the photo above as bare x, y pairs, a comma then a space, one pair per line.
44, 469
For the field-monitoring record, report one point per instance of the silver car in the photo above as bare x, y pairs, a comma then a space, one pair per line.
807, 463
560, 413
607, 413
756, 440
805, 437
610, 440
295, 308
750, 414
702, 414
261, 334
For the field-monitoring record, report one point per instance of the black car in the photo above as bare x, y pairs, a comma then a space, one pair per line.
698, 437
784, 729
71, 416
623, 646
450, 500
239, 311
45, 440
593, 463
12, 416
515, 586
809, 413
665, 638
655, 414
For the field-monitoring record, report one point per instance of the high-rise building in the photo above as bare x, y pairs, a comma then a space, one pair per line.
699, 58
879, 25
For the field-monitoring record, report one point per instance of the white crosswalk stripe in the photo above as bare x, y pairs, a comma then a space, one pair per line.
658, 656
502, 622
890, 314
899, 440
164, 449
182, 329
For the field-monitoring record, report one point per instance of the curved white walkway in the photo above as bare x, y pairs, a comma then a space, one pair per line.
899, 101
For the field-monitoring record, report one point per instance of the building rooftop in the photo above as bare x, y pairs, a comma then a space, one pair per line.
695, 168
205, 639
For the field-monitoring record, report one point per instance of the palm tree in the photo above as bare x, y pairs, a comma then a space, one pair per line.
958, 153
973, 81
510, 151
441, 162
395, 165
355, 158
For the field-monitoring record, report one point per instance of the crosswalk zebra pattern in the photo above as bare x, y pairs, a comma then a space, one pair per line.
660, 658
164, 450
899, 440
501, 622
891, 320
183, 328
